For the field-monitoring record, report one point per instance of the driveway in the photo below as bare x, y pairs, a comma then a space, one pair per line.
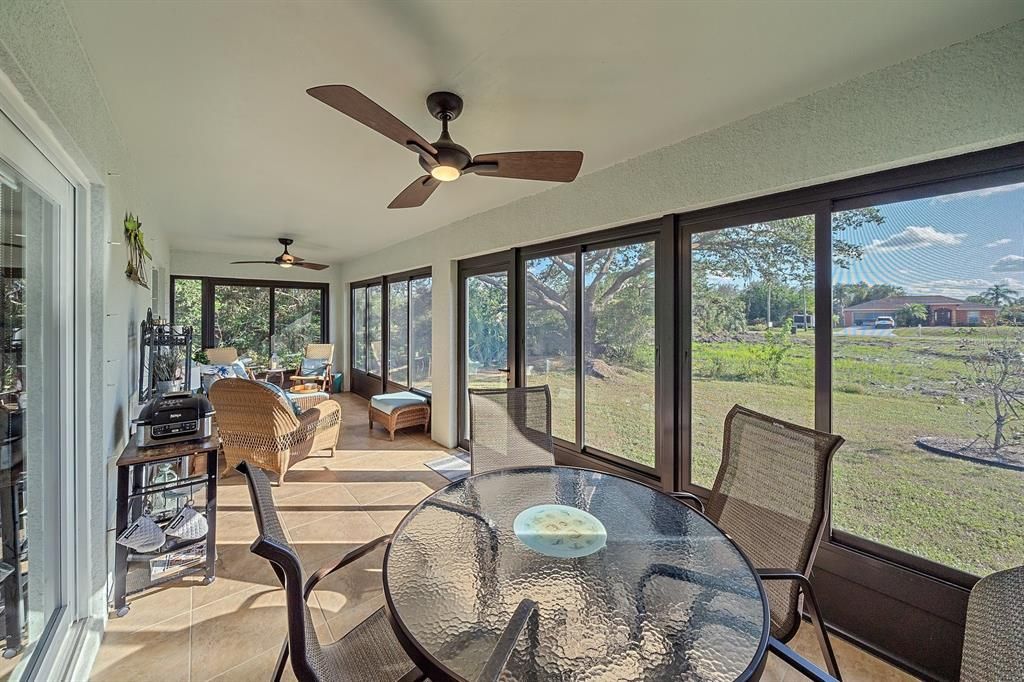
863, 331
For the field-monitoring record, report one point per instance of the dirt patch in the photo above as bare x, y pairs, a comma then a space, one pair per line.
1009, 457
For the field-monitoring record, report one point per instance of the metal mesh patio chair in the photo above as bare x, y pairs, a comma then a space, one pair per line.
994, 636
510, 427
771, 496
369, 653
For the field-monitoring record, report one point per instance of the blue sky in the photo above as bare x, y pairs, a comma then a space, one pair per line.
955, 245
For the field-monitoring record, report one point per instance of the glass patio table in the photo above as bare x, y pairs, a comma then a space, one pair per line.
628, 583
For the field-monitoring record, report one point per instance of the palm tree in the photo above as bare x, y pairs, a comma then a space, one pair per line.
998, 295
911, 314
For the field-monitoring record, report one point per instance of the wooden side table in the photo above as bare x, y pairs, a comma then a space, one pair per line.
277, 371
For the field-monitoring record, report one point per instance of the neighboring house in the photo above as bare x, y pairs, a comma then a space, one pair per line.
943, 311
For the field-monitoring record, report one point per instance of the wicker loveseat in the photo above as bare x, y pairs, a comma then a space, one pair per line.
257, 427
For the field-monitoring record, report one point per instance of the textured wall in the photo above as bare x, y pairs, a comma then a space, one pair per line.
40, 53
965, 97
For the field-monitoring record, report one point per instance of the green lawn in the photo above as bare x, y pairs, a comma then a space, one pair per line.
889, 391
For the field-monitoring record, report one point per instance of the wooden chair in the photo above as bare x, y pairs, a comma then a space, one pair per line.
320, 355
257, 426
225, 355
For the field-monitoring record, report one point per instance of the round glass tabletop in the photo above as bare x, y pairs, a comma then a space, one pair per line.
630, 584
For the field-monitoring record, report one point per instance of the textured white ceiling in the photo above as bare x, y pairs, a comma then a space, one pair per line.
210, 96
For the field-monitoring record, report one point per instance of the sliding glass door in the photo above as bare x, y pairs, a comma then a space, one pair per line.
36, 387
486, 352
580, 317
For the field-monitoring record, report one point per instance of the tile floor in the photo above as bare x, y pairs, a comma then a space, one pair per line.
233, 628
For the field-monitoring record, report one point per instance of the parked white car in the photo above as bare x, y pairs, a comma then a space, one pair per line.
884, 322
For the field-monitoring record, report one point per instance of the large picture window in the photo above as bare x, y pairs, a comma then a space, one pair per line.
399, 355
928, 376
258, 318
752, 329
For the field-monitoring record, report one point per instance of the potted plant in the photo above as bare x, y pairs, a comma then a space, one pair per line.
165, 370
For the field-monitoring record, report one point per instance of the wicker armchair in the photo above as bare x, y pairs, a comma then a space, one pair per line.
771, 496
256, 426
994, 636
317, 352
510, 427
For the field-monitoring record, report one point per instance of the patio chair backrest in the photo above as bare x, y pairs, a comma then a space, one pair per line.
319, 351
225, 355
510, 427
994, 636
771, 496
307, 655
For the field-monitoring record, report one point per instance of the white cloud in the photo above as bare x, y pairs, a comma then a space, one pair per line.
983, 192
1009, 264
915, 237
998, 242
959, 288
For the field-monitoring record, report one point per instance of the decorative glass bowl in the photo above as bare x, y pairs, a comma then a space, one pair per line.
557, 530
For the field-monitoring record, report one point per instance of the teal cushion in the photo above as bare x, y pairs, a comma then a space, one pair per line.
312, 368
283, 396
389, 402
239, 369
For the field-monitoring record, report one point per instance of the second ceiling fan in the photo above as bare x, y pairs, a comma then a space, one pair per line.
445, 160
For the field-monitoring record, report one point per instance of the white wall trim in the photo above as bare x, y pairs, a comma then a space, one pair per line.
78, 650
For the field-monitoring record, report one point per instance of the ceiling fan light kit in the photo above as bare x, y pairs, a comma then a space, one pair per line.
445, 160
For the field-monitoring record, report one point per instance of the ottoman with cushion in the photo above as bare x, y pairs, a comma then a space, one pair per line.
306, 399
399, 410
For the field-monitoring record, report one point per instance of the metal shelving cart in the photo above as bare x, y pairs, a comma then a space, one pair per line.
144, 486
156, 339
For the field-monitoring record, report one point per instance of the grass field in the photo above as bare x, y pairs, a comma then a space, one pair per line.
887, 393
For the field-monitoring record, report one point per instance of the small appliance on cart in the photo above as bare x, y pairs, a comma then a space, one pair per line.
166, 497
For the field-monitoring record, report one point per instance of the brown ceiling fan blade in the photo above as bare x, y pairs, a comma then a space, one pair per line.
418, 191
311, 266
249, 262
355, 104
551, 166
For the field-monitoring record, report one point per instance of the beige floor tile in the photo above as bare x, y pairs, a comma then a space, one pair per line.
160, 651
256, 668
230, 631
154, 606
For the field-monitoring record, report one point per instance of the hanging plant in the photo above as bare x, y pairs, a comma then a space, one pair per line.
137, 253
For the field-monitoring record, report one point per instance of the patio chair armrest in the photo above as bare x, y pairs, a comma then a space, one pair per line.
330, 568
782, 574
798, 662
689, 496
524, 613
813, 610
